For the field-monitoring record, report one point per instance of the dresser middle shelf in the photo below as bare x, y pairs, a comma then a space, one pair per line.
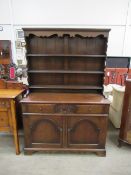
66, 71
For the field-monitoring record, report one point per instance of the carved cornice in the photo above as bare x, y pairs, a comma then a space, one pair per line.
71, 32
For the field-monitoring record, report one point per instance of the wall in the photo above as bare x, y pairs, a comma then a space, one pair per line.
114, 14
5, 20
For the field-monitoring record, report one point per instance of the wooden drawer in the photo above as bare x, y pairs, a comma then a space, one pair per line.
65, 108
4, 104
4, 120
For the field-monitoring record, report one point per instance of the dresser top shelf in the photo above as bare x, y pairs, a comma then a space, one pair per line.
77, 98
65, 55
68, 29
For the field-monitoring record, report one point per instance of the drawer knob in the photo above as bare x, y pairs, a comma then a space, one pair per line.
60, 129
41, 108
2, 103
89, 109
69, 129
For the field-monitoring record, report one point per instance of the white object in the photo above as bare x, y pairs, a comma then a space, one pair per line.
107, 90
116, 106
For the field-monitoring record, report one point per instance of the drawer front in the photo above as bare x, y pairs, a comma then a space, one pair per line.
65, 108
4, 104
4, 119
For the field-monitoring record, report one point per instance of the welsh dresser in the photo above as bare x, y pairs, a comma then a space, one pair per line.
65, 110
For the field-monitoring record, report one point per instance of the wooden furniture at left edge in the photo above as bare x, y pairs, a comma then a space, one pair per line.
5, 52
125, 129
8, 103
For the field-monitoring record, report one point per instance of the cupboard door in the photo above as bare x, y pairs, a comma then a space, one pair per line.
87, 132
43, 131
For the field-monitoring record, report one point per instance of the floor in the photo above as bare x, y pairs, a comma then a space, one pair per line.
117, 161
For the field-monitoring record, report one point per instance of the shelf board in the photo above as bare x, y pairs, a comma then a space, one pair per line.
64, 87
63, 55
66, 71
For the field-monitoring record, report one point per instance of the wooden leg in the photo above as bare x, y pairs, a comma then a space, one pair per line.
15, 131
16, 141
28, 152
101, 153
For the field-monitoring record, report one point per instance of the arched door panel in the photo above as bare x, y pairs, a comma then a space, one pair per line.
85, 132
44, 131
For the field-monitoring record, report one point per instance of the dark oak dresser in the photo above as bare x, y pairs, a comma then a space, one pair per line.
125, 129
65, 110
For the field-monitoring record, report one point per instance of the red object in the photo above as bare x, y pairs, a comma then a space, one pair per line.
12, 73
115, 76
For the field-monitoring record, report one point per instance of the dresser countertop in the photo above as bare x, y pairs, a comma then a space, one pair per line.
65, 98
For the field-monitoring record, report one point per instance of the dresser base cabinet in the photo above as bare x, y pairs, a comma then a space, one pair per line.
75, 124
